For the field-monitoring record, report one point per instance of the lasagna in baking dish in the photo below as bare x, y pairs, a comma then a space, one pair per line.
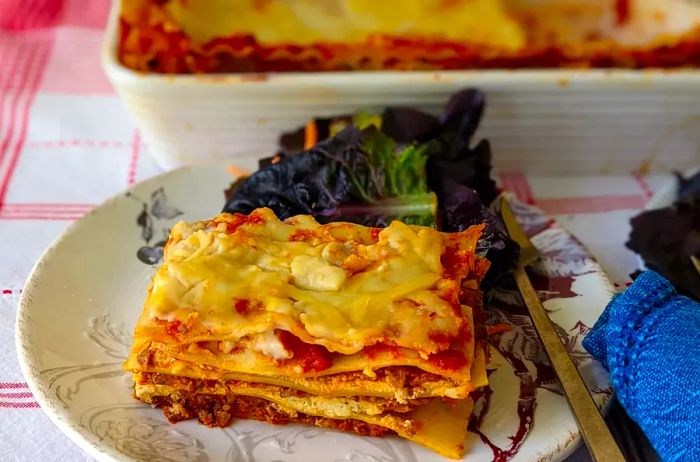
203, 36
374, 331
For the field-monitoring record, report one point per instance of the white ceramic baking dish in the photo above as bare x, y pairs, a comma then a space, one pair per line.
549, 121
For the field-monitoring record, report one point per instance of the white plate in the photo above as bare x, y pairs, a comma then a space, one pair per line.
83, 297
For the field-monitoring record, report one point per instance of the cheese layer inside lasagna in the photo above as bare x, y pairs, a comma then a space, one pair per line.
339, 325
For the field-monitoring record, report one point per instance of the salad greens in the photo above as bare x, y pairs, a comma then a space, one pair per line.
360, 176
666, 238
402, 165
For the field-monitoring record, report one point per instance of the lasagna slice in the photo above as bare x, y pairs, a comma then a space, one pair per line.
361, 329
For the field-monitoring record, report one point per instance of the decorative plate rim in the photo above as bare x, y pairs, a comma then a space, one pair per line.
22, 321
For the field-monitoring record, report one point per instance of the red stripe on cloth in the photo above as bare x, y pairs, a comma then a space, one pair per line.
595, 204
22, 71
10, 53
43, 51
13, 385
643, 185
16, 395
9, 57
38, 218
84, 13
29, 215
12, 133
44, 211
43, 206
18, 15
73, 68
75, 213
517, 183
134, 161
69, 143
19, 405
12, 14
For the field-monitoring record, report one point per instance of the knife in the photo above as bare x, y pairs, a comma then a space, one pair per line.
594, 430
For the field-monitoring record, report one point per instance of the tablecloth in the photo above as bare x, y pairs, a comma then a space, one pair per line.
66, 144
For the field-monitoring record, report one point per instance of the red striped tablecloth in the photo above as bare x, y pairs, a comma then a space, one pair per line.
66, 144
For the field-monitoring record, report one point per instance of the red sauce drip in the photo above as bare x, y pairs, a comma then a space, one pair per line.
449, 360
310, 357
242, 306
622, 11
455, 263
240, 219
374, 234
464, 335
373, 351
302, 235
441, 337
173, 327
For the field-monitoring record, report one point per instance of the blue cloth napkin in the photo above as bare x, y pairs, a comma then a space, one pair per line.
649, 339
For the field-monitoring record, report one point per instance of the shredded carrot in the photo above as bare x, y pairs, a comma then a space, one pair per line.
236, 171
310, 135
497, 329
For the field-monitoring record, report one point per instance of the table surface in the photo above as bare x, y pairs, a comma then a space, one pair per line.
66, 144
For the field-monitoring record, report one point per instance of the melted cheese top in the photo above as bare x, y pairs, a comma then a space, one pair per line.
304, 22
340, 285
